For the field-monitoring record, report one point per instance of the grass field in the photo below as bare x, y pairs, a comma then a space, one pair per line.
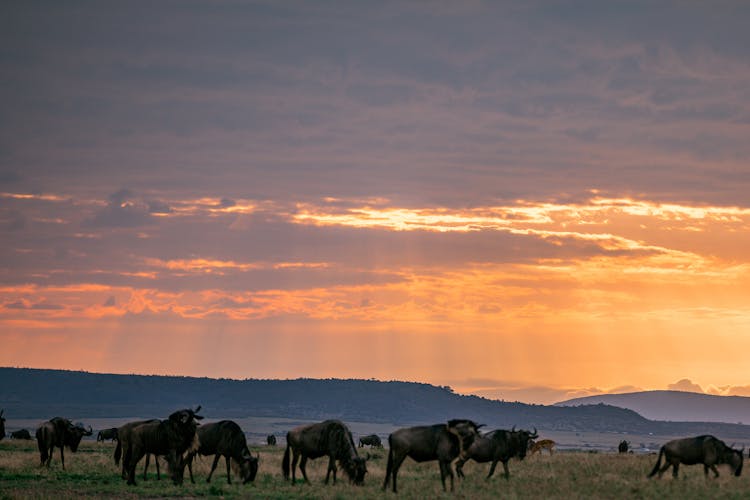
91, 474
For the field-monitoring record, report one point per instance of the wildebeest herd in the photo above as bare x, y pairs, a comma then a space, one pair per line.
180, 437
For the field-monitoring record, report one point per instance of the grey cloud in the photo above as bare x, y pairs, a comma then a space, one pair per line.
123, 210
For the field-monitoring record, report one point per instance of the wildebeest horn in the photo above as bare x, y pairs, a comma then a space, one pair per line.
197, 409
513, 429
535, 434
480, 426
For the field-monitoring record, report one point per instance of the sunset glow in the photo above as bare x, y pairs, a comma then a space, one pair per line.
529, 225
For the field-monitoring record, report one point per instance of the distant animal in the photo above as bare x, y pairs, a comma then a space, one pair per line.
21, 434
441, 442
706, 450
370, 440
544, 444
169, 438
623, 447
330, 438
496, 446
225, 438
2, 425
59, 432
124, 436
105, 434
271, 440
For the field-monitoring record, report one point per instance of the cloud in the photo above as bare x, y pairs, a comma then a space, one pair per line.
685, 385
123, 210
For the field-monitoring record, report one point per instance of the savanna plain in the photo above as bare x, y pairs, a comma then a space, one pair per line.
91, 473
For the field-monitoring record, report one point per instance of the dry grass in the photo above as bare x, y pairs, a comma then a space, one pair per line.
91, 474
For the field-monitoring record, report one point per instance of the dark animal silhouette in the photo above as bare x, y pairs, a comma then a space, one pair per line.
169, 438
623, 447
124, 436
441, 442
271, 440
21, 434
105, 434
59, 432
544, 444
2, 425
330, 438
496, 446
706, 450
370, 440
225, 438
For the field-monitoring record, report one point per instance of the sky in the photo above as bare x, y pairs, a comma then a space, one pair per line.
522, 200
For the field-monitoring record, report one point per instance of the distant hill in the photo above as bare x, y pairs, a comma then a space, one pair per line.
31, 393
675, 405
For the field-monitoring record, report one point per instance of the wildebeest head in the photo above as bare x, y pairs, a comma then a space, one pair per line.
74, 435
734, 458
359, 467
466, 430
248, 467
525, 438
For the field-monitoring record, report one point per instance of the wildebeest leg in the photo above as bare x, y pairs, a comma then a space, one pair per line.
505, 468
189, 463
460, 467
62, 456
713, 468
145, 467
213, 467
135, 455
675, 469
666, 466
331, 468
303, 468
445, 470
158, 472
229, 473
492, 469
295, 457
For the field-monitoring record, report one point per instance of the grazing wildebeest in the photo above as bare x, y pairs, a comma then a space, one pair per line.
706, 450
329, 438
124, 435
2, 425
170, 438
371, 440
105, 434
544, 444
225, 438
271, 440
22, 434
496, 446
623, 447
58, 432
441, 442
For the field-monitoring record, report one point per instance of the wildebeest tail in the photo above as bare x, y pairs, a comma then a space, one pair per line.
118, 452
389, 464
40, 442
658, 463
286, 459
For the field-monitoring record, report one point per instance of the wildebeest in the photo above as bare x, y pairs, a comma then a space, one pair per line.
21, 434
225, 438
58, 432
544, 444
623, 447
169, 438
105, 434
124, 435
271, 440
2, 425
371, 440
706, 450
496, 446
441, 442
329, 438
